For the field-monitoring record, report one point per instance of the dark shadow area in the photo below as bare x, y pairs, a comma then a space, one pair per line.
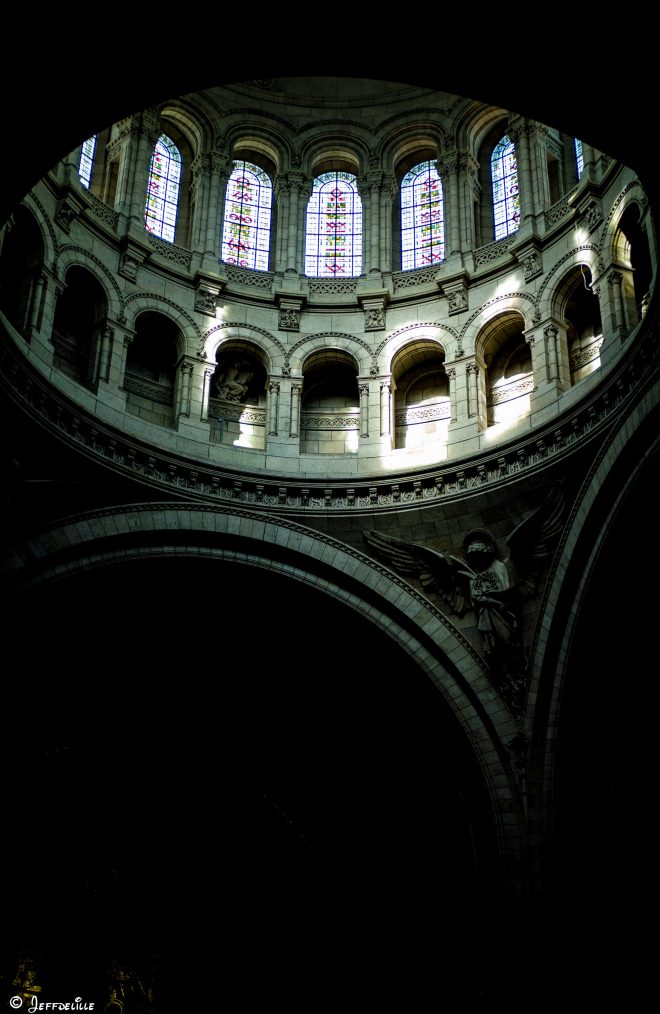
221, 773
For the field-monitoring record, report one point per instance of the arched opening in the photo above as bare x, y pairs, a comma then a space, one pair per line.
422, 410
21, 262
80, 315
330, 408
508, 360
237, 404
632, 248
150, 368
409, 155
584, 330
277, 815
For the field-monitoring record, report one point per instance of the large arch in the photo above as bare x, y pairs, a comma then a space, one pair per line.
294, 799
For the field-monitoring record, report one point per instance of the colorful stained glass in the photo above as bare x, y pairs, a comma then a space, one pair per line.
334, 227
506, 198
86, 163
579, 157
422, 217
163, 189
246, 229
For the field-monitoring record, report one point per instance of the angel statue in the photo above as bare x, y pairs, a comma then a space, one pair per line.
493, 588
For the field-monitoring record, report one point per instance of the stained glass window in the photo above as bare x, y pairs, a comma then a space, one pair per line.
246, 230
163, 189
506, 199
86, 163
334, 227
579, 157
422, 217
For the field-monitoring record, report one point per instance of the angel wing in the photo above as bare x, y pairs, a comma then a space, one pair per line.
531, 542
440, 572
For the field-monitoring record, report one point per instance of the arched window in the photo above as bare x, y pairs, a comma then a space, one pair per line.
246, 229
86, 163
334, 227
422, 217
579, 157
163, 189
504, 178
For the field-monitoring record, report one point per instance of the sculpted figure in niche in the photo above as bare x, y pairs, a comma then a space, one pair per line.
493, 588
231, 383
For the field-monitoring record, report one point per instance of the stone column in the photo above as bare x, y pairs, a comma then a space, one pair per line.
551, 334
122, 357
294, 186
550, 366
364, 410
37, 302
538, 150
614, 281
273, 408
191, 397
472, 371
200, 188
283, 198
451, 377
518, 133
220, 169
148, 133
469, 192
467, 401
388, 193
132, 147
102, 356
385, 408
118, 151
182, 389
208, 369
294, 423
448, 170
369, 188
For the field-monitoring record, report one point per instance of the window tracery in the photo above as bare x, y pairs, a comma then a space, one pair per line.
333, 230
86, 163
579, 157
246, 227
422, 217
504, 180
163, 189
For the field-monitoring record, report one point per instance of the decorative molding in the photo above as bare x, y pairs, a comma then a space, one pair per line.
333, 287
231, 412
289, 312
532, 265
170, 251
101, 210
128, 455
253, 278
559, 211
345, 420
493, 251
511, 391
130, 260
457, 297
436, 412
416, 276
206, 301
66, 213
145, 389
582, 357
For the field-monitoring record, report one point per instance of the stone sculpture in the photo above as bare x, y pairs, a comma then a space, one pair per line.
493, 588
